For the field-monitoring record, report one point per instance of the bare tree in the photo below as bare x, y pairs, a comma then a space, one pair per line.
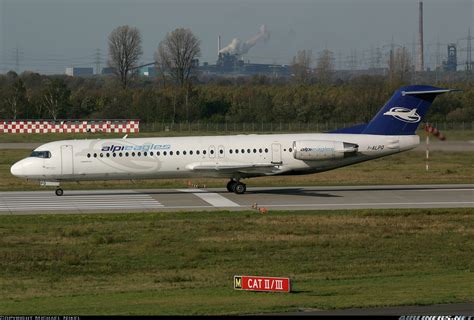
400, 66
177, 54
56, 98
17, 100
125, 49
301, 65
325, 66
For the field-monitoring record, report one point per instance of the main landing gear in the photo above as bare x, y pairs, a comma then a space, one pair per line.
59, 192
236, 186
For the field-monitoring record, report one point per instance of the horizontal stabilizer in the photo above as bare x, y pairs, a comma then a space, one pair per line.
420, 92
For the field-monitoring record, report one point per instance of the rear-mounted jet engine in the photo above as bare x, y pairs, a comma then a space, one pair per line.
323, 150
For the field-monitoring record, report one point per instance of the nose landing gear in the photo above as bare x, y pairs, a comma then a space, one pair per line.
59, 192
236, 186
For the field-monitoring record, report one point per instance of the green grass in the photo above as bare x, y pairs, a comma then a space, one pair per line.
184, 263
48, 137
403, 168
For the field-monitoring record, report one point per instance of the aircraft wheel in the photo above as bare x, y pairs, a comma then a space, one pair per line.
59, 192
240, 188
231, 185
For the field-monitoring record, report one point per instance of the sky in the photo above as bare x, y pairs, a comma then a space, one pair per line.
47, 36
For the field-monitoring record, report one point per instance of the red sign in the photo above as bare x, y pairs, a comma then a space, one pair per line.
271, 284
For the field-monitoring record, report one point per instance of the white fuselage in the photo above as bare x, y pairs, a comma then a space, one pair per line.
237, 156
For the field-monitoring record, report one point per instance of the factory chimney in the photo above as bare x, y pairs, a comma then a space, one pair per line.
420, 65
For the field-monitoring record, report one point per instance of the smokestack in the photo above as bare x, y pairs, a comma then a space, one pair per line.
420, 40
218, 44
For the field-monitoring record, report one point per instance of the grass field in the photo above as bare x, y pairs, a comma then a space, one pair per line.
403, 168
184, 263
48, 137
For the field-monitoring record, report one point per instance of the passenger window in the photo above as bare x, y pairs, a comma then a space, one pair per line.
151, 153
260, 150
171, 153
157, 153
230, 151
191, 152
139, 154
203, 151
126, 154
290, 149
248, 150
184, 152
120, 154
95, 155
197, 152
243, 150
101, 155
133, 154
177, 153
236, 150
145, 153
221, 151
88, 155
114, 154
107, 154
212, 151
254, 150
266, 150
164, 153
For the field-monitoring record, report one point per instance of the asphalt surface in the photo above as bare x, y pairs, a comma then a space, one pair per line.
283, 198
435, 145
455, 309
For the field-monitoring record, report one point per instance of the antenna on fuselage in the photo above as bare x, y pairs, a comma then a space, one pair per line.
125, 136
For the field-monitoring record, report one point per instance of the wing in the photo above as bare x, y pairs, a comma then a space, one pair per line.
234, 167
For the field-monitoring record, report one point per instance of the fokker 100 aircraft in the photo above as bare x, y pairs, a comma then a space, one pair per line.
236, 157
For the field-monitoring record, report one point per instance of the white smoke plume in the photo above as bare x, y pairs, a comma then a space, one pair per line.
238, 47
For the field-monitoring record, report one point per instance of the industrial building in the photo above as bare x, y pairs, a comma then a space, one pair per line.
452, 63
79, 72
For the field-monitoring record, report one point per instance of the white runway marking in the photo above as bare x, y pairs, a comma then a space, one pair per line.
77, 202
214, 199
366, 204
429, 190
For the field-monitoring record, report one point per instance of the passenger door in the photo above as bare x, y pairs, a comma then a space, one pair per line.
276, 153
67, 160
212, 152
221, 152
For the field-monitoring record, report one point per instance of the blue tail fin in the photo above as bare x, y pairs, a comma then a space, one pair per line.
402, 114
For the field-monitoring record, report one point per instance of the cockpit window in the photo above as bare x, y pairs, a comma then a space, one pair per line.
41, 154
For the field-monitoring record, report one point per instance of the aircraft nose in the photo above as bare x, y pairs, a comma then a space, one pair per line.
17, 169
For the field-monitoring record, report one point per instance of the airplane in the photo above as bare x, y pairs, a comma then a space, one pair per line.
235, 157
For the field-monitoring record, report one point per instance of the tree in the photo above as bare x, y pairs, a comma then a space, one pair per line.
325, 66
301, 65
177, 54
400, 66
125, 49
56, 98
17, 101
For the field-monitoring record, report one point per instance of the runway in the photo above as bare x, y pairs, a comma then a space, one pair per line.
284, 198
435, 145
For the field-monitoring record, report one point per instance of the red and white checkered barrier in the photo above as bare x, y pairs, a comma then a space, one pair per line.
69, 126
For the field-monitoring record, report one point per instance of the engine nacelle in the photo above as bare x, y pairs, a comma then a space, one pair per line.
323, 150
